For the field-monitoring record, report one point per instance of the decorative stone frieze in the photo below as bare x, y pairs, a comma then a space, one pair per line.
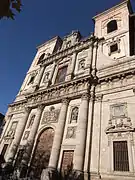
59, 92
50, 116
26, 135
119, 120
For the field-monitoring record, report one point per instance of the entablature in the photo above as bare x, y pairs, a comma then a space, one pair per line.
54, 94
121, 68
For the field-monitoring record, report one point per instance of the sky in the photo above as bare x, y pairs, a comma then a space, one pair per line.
38, 22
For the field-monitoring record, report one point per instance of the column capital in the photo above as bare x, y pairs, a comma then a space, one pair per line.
96, 44
27, 109
41, 107
65, 101
85, 96
99, 97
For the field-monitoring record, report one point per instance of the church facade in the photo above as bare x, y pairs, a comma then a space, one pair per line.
76, 107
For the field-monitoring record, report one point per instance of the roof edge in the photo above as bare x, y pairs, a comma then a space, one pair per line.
115, 6
48, 41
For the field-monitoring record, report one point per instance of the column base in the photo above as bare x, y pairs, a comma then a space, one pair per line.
74, 174
23, 171
95, 176
49, 174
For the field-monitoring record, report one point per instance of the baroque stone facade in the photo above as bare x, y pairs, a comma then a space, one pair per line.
75, 108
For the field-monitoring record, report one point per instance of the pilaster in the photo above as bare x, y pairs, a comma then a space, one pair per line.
18, 135
53, 162
70, 72
81, 133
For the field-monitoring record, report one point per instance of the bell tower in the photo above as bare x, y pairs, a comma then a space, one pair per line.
113, 26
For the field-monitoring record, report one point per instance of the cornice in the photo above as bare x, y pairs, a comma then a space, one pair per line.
69, 89
61, 85
123, 68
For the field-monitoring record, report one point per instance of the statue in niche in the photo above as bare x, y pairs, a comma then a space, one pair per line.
74, 115
46, 77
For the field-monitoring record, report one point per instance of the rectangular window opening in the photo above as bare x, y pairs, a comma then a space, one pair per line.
31, 81
120, 156
67, 160
114, 48
61, 75
4, 149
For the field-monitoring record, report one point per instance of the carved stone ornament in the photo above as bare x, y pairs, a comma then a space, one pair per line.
26, 135
85, 96
119, 121
81, 64
50, 116
65, 101
71, 132
74, 115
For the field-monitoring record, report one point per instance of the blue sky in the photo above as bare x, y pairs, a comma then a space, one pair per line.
38, 22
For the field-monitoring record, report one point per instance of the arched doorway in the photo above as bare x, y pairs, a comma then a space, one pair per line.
42, 152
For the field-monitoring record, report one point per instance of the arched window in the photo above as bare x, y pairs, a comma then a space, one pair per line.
41, 58
31, 121
112, 26
74, 115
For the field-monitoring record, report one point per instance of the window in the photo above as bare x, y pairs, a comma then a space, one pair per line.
114, 48
67, 160
31, 81
120, 156
112, 26
61, 75
41, 58
31, 121
4, 149
74, 114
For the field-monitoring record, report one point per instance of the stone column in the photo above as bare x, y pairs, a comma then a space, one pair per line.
70, 72
18, 135
52, 72
89, 60
81, 134
94, 59
89, 131
30, 142
35, 125
53, 162
7, 120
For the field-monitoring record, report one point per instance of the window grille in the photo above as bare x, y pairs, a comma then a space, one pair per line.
67, 160
120, 153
